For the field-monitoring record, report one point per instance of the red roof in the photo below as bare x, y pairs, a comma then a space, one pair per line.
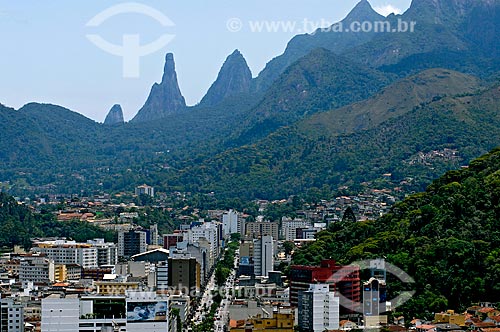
491, 329
485, 324
236, 323
345, 321
425, 327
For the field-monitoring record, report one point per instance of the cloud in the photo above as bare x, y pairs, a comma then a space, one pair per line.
386, 10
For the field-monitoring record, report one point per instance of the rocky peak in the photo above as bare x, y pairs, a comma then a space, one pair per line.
363, 11
234, 78
165, 98
115, 116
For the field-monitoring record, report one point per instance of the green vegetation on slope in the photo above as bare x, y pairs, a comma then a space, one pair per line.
18, 225
446, 238
318, 82
45, 144
298, 159
393, 101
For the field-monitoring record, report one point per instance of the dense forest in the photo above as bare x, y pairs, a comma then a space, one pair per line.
18, 224
446, 238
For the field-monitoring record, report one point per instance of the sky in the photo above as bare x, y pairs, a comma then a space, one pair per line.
50, 52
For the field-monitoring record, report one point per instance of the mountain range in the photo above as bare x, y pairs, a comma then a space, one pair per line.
333, 110
355, 144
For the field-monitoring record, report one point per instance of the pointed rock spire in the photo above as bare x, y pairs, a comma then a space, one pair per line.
165, 98
115, 116
362, 12
234, 78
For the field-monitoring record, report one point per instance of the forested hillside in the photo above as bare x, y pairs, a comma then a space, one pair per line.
18, 225
317, 154
447, 238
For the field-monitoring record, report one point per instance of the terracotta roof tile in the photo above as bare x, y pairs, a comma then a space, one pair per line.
425, 327
486, 310
484, 324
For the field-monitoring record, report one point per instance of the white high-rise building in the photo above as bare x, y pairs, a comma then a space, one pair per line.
263, 255
61, 314
289, 227
319, 309
210, 232
153, 234
162, 276
230, 222
107, 253
145, 190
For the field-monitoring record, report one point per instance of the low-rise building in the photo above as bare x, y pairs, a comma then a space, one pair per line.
449, 317
279, 322
115, 287
131, 312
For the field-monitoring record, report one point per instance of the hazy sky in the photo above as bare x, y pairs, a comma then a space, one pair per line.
47, 57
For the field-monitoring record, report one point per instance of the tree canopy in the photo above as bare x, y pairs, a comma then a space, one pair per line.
446, 238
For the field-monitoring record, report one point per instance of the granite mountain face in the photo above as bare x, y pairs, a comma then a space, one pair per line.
337, 42
115, 116
234, 78
459, 33
165, 98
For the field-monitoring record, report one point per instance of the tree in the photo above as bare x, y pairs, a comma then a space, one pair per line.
175, 315
349, 215
144, 200
236, 237
289, 246
119, 210
221, 274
